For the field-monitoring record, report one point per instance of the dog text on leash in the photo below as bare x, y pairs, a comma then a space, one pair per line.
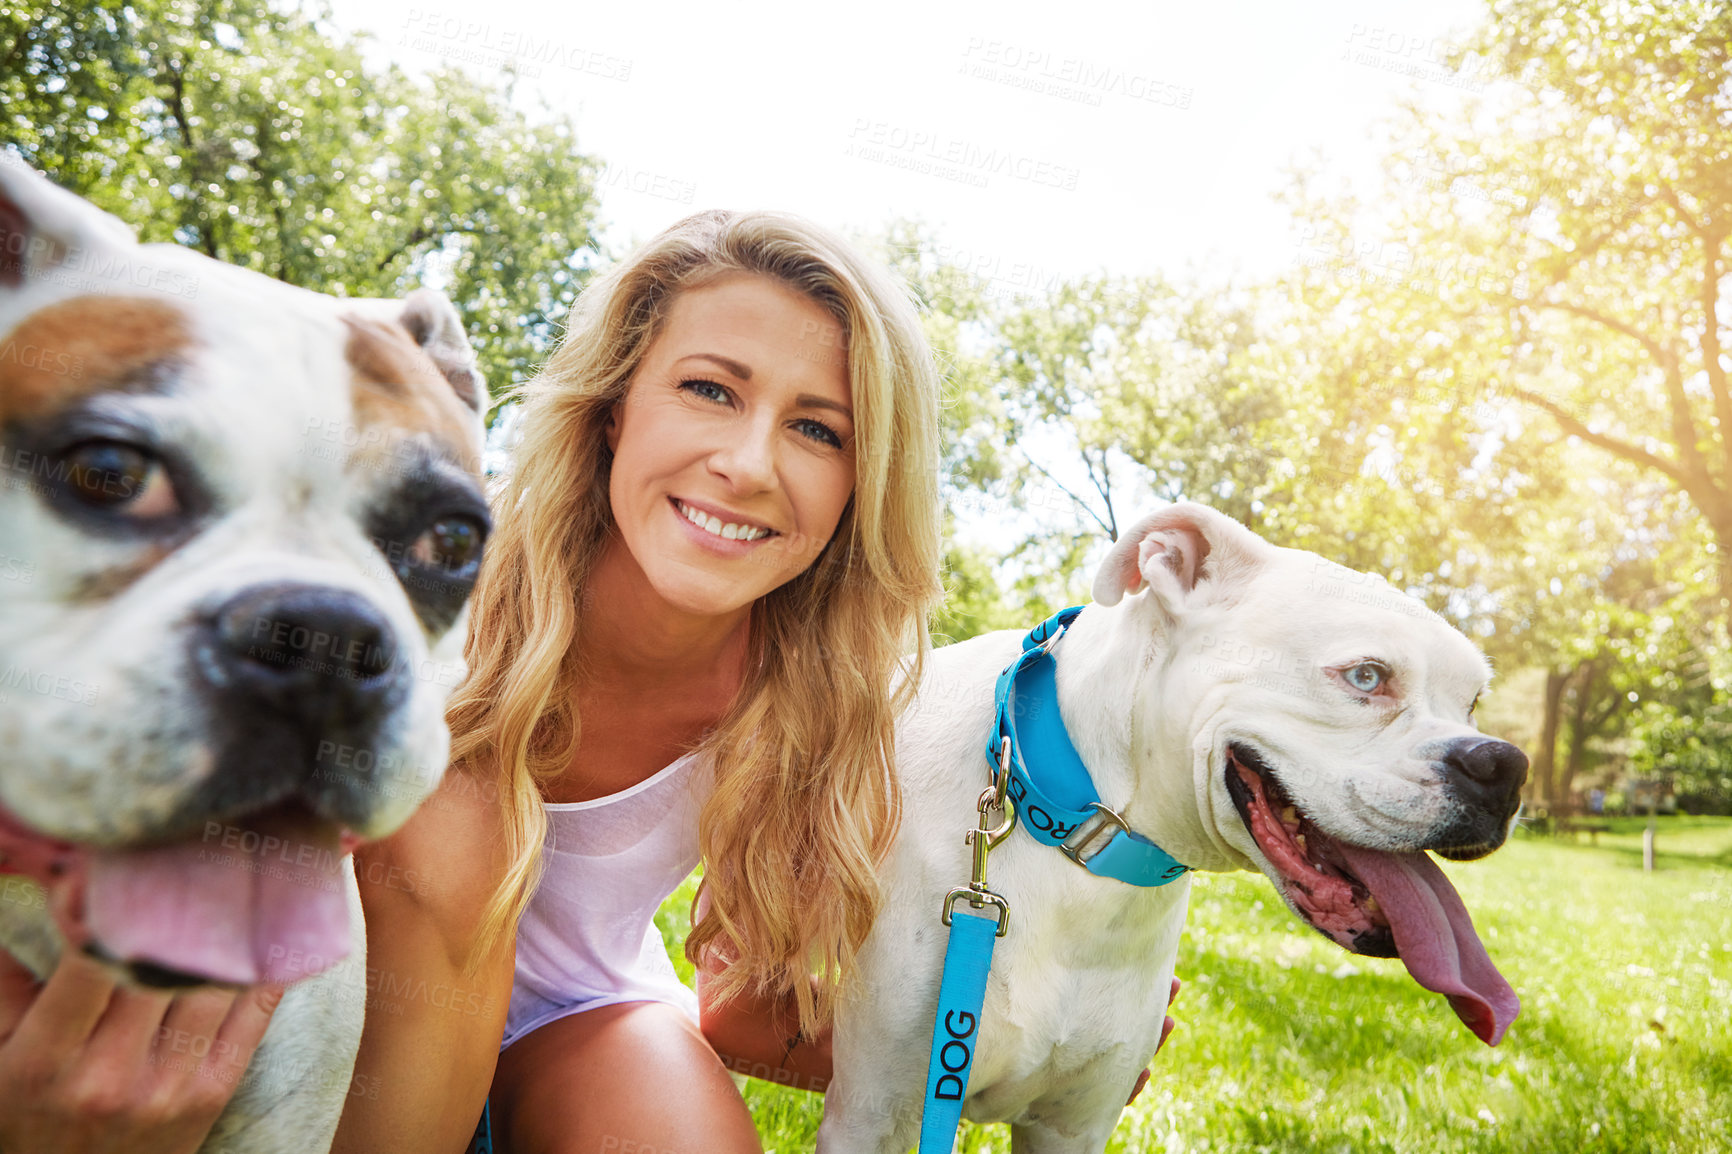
956, 1053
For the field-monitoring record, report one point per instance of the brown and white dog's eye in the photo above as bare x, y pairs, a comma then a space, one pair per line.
112, 476
452, 544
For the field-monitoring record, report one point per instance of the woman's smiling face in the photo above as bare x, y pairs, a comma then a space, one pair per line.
733, 450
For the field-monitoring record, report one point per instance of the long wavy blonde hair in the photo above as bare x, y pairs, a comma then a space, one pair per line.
806, 800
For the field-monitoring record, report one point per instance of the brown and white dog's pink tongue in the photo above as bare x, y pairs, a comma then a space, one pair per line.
1436, 938
263, 902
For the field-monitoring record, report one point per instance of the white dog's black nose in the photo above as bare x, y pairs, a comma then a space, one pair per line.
1485, 777
1495, 766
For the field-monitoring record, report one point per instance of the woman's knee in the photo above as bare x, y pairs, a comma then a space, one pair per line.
636, 1078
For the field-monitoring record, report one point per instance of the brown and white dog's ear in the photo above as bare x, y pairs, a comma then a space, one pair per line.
43, 226
1180, 552
432, 322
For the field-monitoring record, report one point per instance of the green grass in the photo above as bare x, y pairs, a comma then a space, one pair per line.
1288, 1044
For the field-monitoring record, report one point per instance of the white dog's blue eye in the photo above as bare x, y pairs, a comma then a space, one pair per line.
1366, 677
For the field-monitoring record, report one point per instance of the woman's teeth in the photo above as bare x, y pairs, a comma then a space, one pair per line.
714, 525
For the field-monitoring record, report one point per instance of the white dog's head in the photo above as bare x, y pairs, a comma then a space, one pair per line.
1330, 721
242, 521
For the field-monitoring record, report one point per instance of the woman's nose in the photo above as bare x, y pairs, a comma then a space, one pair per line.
747, 457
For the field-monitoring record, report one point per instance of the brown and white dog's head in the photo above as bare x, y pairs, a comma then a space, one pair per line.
241, 521
1327, 717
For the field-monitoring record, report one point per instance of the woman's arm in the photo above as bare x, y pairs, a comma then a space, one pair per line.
432, 1033
760, 1037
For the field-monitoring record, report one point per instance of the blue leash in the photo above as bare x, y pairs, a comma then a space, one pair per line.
482, 1142
1062, 810
961, 993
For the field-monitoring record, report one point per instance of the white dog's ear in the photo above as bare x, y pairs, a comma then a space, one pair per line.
1175, 550
43, 226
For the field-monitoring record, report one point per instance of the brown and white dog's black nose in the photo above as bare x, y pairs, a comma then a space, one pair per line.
305, 685
310, 653
1485, 777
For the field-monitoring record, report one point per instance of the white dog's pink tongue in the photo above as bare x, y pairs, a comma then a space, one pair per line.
263, 902
1436, 938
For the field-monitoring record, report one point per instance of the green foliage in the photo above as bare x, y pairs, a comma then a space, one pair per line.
1064, 408
972, 602
1684, 732
262, 138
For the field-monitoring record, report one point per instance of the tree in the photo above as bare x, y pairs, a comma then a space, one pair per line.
261, 138
1566, 236
1066, 405
1534, 304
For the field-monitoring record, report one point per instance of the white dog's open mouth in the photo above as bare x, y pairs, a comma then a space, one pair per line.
258, 899
1376, 902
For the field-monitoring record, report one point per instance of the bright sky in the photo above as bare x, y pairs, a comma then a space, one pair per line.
1037, 141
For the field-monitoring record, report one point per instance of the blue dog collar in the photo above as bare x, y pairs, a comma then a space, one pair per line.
1062, 808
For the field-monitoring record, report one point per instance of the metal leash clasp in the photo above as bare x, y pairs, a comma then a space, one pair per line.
983, 839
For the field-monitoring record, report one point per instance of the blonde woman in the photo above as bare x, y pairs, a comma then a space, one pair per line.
717, 544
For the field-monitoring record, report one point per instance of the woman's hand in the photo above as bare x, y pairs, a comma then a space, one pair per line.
89, 1066
1166, 1028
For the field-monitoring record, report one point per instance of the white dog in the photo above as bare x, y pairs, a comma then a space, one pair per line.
242, 522
1241, 706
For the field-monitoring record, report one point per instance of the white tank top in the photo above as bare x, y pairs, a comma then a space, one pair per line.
588, 937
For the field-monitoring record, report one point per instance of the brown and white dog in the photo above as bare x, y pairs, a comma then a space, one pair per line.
241, 521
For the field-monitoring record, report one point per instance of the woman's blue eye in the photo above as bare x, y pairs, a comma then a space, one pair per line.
820, 432
1366, 677
708, 390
